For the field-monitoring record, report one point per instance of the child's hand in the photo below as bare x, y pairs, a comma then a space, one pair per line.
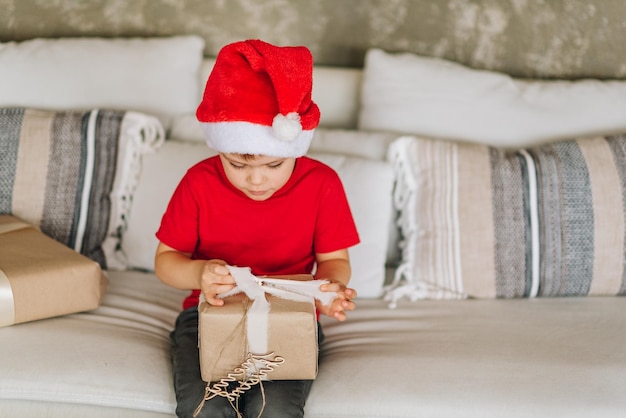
215, 279
343, 302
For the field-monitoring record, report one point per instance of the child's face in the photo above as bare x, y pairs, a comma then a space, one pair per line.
258, 177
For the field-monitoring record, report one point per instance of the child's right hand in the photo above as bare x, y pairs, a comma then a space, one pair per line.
214, 280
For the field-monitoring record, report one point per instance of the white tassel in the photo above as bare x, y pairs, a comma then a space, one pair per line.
139, 134
403, 285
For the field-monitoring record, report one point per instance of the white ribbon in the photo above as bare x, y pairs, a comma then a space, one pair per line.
7, 305
256, 287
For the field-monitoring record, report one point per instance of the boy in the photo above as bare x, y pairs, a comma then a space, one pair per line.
259, 203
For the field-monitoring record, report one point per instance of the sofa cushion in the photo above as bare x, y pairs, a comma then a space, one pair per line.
548, 357
371, 207
370, 145
156, 75
491, 356
436, 98
479, 221
73, 173
161, 173
116, 356
368, 185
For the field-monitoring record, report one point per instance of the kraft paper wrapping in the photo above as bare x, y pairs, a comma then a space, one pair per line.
292, 335
42, 278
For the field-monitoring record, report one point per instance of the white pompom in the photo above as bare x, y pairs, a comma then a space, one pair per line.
287, 128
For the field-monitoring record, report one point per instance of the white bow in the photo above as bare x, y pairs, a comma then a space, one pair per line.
256, 287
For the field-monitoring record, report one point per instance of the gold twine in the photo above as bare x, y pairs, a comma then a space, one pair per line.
240, 373
252, 362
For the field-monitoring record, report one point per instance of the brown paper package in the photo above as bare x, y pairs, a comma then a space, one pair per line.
292, 336
47, 278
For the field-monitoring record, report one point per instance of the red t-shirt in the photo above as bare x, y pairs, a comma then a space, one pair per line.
211, 219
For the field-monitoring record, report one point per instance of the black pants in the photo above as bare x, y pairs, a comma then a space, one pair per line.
283, 398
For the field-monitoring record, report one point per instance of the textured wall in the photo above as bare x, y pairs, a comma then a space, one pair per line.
530, 38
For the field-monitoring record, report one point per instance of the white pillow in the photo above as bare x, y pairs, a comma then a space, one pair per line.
436, 98
156, 75
161, 173
186, 128
371, 145
336, 91
368, 185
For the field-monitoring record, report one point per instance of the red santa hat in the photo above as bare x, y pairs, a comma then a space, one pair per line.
257, 100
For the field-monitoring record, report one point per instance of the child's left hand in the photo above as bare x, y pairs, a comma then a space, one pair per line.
343, 302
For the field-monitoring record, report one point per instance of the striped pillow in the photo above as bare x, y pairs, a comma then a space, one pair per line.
484, 222
73, 173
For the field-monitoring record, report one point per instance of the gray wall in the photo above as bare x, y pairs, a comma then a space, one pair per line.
527, 38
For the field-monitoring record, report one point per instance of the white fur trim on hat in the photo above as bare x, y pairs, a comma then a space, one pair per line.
252, 138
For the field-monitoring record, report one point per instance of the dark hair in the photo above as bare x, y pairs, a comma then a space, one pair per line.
248, 157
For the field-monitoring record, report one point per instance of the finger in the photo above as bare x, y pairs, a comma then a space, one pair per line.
221, 270
222, 288
348, 305
216, 290
330, 287
213, 300
340, 316
225, 280
350, 293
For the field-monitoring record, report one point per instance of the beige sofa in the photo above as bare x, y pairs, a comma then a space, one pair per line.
450, 321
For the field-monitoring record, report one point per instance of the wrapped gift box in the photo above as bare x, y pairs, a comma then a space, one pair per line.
291, 335
42, 278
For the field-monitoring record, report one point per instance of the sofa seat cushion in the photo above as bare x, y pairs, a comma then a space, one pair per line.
492, 357
26, 408
475, 358
115, 356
